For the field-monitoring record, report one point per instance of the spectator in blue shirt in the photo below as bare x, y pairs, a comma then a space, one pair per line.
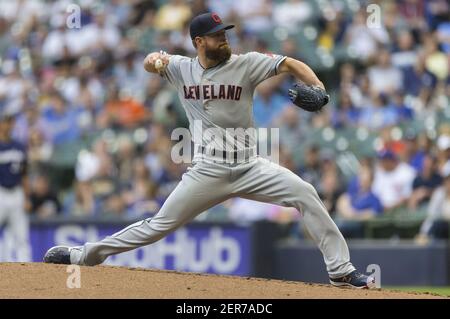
346, 114
404, 112
359, 202
61, 122
414, 155
268, 105
379, 114
425, 183
443, 34
416, 79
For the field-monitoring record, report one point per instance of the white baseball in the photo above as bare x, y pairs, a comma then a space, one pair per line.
159, 65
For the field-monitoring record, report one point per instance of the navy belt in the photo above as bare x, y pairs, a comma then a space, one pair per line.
245, 154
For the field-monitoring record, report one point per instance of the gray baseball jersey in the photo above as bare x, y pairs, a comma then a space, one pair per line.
221, 97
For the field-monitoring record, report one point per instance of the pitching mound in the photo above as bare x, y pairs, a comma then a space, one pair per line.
37, 280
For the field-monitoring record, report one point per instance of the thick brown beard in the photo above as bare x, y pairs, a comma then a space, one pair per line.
220, 54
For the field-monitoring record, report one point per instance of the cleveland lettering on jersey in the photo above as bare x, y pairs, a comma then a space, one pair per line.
212, 92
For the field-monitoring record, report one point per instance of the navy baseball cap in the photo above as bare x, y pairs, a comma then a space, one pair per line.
207, 23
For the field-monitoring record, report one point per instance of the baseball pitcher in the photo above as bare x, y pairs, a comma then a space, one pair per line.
216, 90
12, 196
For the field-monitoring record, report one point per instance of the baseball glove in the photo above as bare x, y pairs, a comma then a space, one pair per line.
311, 98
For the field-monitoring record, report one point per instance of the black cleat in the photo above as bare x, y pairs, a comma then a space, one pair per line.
58, 255
354, 280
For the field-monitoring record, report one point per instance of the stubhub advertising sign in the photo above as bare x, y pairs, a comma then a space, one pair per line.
199, 248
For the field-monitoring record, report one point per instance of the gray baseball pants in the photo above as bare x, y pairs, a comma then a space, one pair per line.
208, 183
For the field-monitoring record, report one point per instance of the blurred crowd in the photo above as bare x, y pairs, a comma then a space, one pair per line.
98, 127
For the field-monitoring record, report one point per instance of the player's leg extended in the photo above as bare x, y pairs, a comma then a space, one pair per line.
269, 182
200, 188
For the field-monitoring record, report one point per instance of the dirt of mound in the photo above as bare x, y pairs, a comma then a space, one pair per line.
37, 280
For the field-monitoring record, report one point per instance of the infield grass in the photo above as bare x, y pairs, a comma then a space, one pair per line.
444, 291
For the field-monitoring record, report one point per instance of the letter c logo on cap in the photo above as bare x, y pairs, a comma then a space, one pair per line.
216, 18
